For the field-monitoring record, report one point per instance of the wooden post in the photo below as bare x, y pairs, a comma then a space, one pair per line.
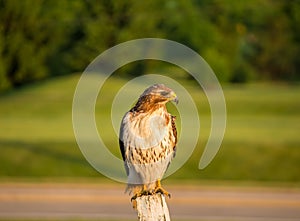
152, 208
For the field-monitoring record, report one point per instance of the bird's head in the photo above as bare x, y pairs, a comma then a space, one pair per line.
160, 94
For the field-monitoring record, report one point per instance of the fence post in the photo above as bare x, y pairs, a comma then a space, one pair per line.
152, 208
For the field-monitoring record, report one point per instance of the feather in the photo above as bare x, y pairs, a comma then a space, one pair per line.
148, 137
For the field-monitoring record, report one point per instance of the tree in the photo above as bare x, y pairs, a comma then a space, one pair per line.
29, 35
241, 40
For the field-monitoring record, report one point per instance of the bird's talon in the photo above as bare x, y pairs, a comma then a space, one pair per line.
145, 193
162, 191
141, 193
133, 198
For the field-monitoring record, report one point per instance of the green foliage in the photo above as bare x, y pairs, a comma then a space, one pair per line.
30, 37
241, 40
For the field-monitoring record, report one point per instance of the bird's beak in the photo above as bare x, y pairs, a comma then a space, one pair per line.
176, 100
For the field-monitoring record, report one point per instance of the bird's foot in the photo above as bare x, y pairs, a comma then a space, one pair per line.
141, 193
161, 190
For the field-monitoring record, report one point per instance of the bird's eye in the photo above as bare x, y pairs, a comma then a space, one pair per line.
164, 93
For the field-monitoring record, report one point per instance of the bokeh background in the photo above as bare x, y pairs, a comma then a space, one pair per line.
252, 46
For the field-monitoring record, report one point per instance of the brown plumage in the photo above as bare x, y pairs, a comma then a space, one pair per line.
148, 140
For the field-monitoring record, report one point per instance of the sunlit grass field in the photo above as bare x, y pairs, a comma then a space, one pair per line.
262, 140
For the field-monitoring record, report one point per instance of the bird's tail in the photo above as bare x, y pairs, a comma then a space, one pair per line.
131, 189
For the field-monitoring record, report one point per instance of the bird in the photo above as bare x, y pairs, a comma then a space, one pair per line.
147, 141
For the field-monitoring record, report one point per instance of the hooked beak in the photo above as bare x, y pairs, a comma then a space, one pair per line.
173, 97
176, 100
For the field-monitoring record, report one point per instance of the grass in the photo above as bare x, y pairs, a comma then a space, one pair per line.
261, 143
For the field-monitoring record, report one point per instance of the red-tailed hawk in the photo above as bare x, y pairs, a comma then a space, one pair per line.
148, 140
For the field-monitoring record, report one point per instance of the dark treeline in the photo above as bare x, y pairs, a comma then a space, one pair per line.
241, 40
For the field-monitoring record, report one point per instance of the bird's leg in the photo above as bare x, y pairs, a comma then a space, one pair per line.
160, 189
141, 192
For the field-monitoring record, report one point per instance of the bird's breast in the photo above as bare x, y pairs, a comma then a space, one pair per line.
147, 131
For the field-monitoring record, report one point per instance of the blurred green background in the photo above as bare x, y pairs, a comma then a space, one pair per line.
252, 46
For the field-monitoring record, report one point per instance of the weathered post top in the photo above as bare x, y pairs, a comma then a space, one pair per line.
152, 208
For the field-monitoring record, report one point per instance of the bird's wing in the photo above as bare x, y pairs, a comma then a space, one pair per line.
174, 130
122, 146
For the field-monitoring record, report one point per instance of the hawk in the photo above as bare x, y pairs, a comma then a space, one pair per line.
147, 139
